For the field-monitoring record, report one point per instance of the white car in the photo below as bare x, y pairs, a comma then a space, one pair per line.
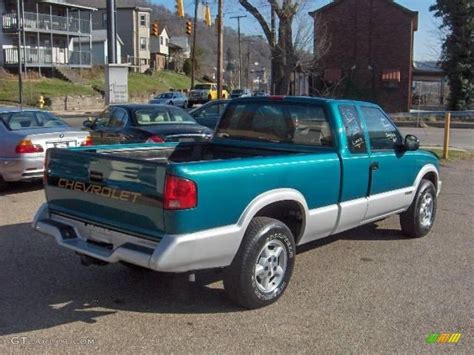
25, 135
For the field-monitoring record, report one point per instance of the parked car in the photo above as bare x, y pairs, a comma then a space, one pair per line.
240, 93
209, 113
173, 98
138, 123
25, 135
260, 93
243, 201
202, 93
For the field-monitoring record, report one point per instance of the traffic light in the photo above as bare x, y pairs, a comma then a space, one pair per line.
207, 16
189, 28
180, 8
155, 31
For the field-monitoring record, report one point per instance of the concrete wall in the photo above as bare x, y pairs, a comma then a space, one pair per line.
74, 103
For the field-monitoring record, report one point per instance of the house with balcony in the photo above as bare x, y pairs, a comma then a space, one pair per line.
133, 27
51, 28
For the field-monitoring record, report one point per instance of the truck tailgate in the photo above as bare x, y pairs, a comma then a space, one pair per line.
108, 191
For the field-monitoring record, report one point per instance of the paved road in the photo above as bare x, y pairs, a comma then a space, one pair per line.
365, 291
460, 138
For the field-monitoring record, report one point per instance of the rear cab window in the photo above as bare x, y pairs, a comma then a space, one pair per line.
279, 122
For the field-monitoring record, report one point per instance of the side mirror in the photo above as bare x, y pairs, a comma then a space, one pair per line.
88, 124
411, 142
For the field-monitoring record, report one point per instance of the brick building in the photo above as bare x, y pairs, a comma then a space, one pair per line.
364, 50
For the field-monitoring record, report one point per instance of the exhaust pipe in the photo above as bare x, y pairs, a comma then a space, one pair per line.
87, 260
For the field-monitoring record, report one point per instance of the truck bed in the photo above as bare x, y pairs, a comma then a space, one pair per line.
195, 152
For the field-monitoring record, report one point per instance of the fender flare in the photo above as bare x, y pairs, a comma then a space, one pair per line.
428, 168
269, 197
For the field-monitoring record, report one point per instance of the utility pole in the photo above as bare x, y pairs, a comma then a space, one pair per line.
193, 50
273, 26
20, 78
220, 46
111, 34
240, 51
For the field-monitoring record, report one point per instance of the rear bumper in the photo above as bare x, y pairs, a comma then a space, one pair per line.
173, 253
21, 168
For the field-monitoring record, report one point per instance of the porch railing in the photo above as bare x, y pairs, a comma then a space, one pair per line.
47, 56
46, 22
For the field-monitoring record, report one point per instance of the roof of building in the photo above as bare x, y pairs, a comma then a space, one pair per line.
97, 36
181, 42
427, 67
137, 8
392, 2
68, 4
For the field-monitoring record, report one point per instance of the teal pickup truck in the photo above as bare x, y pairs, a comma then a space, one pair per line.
279, 172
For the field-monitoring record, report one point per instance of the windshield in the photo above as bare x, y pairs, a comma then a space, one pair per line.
202, 87
166, 95
160, 115
17, 121
278, 122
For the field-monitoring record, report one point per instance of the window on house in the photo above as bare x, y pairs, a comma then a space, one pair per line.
143, 20
143, 45
161, 40
104, 19
167, 41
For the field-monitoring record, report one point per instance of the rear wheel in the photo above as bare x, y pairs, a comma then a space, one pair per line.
418, 220
3, 184
262, 268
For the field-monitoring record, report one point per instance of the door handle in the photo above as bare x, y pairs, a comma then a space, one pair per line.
374, 166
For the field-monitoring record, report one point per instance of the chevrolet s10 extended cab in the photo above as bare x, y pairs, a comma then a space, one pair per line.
279, 172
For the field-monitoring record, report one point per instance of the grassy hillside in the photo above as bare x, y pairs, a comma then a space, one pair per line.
139, 85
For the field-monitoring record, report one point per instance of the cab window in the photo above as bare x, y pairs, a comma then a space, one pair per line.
383, 134
354, 132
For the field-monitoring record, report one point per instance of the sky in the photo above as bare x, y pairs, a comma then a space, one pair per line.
427, 39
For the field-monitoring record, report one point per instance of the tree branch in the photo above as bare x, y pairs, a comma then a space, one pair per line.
261, 20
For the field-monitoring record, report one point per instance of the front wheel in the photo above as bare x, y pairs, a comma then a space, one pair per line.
417, 221
262, 268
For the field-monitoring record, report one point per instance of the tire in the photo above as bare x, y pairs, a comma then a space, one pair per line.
417, 221
254, 289
3, 184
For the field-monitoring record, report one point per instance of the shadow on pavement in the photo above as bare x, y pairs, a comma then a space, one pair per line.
44, 285
22, 186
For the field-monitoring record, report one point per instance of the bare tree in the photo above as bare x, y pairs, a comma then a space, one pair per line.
281, 44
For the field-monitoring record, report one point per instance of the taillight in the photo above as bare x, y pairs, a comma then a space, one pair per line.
26, 146
179, 193
155, 139
87, 142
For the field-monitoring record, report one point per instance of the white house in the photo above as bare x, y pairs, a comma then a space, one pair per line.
159, 49
99, 47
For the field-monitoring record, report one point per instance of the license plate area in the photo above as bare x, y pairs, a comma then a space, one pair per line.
63, 144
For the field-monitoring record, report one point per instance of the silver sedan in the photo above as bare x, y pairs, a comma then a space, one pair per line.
173, 98
25, 135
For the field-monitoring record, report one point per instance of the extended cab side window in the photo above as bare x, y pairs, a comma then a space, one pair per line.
354, 132
382, 132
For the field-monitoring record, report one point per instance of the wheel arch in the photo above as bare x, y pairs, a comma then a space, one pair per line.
427, 172
286, 205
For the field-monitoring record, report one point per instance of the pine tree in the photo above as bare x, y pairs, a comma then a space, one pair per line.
457, 57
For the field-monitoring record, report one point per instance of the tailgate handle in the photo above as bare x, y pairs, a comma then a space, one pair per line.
96, 176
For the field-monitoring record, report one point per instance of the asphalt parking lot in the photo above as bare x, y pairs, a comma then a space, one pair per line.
369, 290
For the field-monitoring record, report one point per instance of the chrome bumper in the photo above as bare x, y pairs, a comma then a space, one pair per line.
21, 169
173, 253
